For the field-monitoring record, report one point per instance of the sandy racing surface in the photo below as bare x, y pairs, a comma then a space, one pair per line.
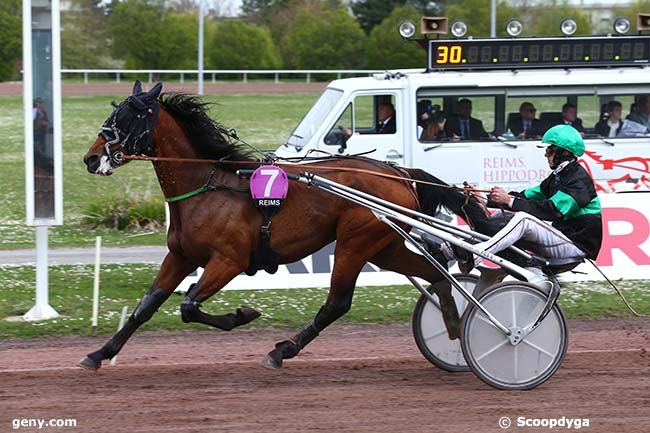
367, 378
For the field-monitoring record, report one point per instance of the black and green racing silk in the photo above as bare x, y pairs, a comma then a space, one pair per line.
568, 199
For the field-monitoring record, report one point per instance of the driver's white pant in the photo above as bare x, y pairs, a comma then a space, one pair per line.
549, 242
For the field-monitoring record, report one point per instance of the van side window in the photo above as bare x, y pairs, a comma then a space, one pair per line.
368, 114
375, 114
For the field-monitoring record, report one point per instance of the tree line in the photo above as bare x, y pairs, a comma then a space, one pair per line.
269, 34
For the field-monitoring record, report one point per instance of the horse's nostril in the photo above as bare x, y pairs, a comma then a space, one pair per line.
92, 163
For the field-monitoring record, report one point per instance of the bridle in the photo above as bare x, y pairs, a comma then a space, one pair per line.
136, 140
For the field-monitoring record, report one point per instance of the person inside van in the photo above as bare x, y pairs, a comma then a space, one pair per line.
526, 126
424, 108
385, 122
464, 126
570, 117
611, 124
638, 122
386, 117
434, 123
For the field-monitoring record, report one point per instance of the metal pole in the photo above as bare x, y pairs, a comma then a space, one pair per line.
200, 59
493, 19
42, 310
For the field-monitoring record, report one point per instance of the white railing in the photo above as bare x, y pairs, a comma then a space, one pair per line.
212, 73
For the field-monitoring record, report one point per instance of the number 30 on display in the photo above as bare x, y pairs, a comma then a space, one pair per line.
449, 54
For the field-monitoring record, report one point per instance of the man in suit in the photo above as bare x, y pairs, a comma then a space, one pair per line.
610, 124
570, 117
526, 126
464, 126
386, 116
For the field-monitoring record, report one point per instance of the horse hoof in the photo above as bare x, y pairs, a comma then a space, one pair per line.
88, 364
271, 362
248, 314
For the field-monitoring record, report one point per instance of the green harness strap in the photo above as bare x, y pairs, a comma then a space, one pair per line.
198, 191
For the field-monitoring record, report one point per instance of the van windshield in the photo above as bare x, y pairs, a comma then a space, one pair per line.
314, 118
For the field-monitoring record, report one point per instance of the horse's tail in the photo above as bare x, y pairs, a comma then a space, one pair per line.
432, 197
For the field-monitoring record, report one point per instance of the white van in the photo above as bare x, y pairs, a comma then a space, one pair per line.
344, 119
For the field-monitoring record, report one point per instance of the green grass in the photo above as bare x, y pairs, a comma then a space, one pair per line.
71, 296
262, 120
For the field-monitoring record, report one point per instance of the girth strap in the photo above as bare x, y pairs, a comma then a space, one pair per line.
264, 257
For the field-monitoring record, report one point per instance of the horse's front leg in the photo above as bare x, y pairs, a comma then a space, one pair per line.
171, 273
218, 272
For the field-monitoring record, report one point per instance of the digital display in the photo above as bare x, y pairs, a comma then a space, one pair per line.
538, 52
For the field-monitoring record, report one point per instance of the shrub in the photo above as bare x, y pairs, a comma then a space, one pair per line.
235, 44
10, 38
330, 40
388, 50
147, 35
134, 212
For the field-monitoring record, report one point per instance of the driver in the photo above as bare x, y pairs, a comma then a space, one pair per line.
567, 198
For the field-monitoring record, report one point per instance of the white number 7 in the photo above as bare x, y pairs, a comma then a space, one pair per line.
273, 173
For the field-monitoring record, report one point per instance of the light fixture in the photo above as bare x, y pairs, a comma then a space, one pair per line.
434, 25
568, 26
514, 27
622, 25
406, 29
458, 29
642, 22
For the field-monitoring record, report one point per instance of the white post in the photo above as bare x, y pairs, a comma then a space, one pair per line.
120, 326
44, 18
42, 309
493, 19
200, 59
98, 247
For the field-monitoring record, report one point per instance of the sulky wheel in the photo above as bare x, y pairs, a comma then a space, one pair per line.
431, 334
489, 352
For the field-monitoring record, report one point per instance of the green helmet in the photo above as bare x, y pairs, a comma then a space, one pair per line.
565, 137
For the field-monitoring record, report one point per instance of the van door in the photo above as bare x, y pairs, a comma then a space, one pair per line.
370, 123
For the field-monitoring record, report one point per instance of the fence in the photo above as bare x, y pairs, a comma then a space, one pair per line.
212, 73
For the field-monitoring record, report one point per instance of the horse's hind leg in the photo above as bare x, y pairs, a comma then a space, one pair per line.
396, 257
171, 273
217, 274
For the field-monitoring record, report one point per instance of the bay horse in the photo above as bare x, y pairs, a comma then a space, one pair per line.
219, 229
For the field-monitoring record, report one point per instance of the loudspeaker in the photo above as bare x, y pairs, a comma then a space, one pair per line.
434, 25
642, 22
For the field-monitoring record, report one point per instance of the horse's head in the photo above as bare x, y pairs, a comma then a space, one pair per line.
127, 131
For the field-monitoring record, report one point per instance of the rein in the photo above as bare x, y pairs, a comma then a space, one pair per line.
320, 167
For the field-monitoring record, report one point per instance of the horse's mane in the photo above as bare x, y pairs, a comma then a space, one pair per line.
205, 134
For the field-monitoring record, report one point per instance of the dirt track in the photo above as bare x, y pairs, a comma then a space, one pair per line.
111, 89
353, 378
